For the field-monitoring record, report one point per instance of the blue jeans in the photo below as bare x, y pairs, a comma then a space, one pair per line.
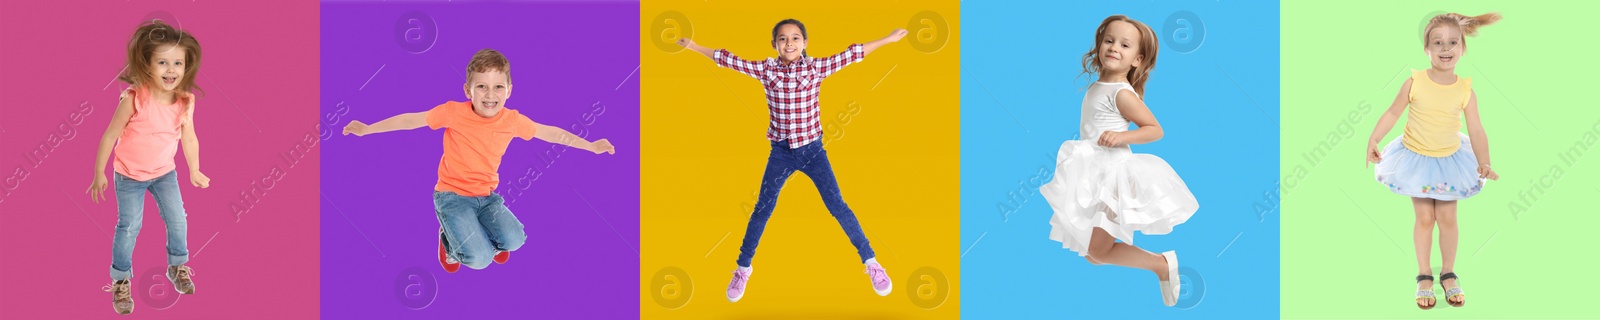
812, 160
476, 227
130, 218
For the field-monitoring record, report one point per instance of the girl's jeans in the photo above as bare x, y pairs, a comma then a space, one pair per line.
130, 218
812, 160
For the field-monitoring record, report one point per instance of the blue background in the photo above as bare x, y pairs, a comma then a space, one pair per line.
1218, 104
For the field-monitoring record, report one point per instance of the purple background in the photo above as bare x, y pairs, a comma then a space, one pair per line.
581, 213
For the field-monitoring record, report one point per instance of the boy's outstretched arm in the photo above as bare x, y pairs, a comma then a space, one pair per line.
558, 136
404, 121
894, 36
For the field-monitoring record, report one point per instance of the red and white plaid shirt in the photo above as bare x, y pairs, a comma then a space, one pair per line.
792, 90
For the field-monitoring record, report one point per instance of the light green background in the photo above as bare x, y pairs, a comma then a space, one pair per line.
1526, 239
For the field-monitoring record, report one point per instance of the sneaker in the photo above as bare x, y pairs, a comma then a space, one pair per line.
450, 265
181, 277
880, 279
121, 296
502, 256
741, 277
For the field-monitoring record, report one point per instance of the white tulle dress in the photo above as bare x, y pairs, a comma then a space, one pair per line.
1111, 188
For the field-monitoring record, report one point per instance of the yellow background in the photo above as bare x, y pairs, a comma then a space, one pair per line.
895, 153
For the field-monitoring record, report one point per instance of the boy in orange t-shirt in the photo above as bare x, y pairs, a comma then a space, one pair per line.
474, 223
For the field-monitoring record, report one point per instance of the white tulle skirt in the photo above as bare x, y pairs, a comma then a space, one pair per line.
1116, 190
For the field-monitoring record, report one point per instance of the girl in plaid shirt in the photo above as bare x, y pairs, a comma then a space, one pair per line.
793, 82
1102, 191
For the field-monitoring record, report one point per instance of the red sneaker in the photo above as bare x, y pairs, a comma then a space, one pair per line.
450, 265
502, 256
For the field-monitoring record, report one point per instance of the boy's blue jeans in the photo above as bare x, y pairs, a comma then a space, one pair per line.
476, 227
130, 218
812, 160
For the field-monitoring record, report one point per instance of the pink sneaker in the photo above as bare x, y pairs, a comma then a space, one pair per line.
880, 279
737, 286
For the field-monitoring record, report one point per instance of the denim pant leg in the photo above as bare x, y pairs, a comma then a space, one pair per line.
165, 190
130, 218
465, 239
814, 163
504, 230
779, 168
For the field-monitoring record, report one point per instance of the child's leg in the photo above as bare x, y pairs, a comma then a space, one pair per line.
816, 167
130, 218
779, 168
505, 231
1422, 233
168, 199
465, 239
1105, 249
1448, 233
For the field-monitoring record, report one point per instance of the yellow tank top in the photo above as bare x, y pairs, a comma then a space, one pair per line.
1435, 116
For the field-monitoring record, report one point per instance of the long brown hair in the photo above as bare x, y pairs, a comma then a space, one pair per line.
1469, 25
1147, 49
152, 35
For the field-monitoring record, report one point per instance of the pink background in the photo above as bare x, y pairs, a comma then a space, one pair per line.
259, 73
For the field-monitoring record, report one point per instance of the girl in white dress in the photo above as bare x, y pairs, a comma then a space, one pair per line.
1102, 191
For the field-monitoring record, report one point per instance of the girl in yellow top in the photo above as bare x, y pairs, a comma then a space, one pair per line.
1433, 163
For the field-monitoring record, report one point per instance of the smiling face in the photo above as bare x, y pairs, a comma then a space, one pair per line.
790, 42
488, 91
1445, 46
167, 66
1119, 48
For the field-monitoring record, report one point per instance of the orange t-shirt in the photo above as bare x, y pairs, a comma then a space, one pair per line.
473, 146
150, 140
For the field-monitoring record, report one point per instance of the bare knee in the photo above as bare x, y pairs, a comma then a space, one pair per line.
1425, 219
1097, 252
1425, 214
1447, 218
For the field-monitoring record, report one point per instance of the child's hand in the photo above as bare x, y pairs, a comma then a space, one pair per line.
1111, 139
97, 189
1372, 153
355, 127
602, 146
896, 35
1485, 172
199, 179
685, 42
